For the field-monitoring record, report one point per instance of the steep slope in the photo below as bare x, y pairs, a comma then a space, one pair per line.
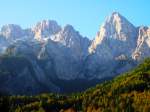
11, 31
3, 44
116, 36
58, 54
128, 92
45, 28
62, 54
143, 44
19, 76
71, 38
44, 37
48, 57
115, 42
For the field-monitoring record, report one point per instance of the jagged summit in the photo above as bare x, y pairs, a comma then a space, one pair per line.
45, 28
115, 28
57, 52
11, 31
69, 32
68, 27
117, 22
114, 16
45, 24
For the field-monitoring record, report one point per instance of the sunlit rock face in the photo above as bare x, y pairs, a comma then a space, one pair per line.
116, 36
115, 42
143, 44
73, 55
45, 29
57, 53
71, 39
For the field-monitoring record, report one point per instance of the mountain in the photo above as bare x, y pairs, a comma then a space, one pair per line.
11, 31
60, 56
71, 38
143, 44
127, 92
17, 75
116, 36
116, 39
45, 29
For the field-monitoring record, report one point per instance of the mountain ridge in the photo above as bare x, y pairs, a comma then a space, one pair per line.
62, 53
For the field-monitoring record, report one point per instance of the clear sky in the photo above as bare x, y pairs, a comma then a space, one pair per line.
85, 15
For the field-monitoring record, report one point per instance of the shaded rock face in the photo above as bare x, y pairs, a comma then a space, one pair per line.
58, 55
11, 31
20, 76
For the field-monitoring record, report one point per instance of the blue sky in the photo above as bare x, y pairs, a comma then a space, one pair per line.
85, 15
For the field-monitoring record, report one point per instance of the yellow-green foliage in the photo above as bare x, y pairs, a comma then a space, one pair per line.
125, 93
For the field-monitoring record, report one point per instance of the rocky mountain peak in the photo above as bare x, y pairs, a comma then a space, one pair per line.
115, 16
11, 31
67, 36
71, 39
68, 28
70, 33
115, 28
62, 53
45, 28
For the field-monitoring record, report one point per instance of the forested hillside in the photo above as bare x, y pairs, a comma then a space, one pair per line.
127, 92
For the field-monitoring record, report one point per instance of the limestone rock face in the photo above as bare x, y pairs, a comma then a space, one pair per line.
11, 31
115, 42
72, 40
116, 36
58, 53
69, 55
143, 44
45, 29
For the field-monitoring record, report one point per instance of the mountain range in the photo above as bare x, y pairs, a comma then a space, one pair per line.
51, 58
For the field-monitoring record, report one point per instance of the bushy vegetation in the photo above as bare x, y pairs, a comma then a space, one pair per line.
126, 93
